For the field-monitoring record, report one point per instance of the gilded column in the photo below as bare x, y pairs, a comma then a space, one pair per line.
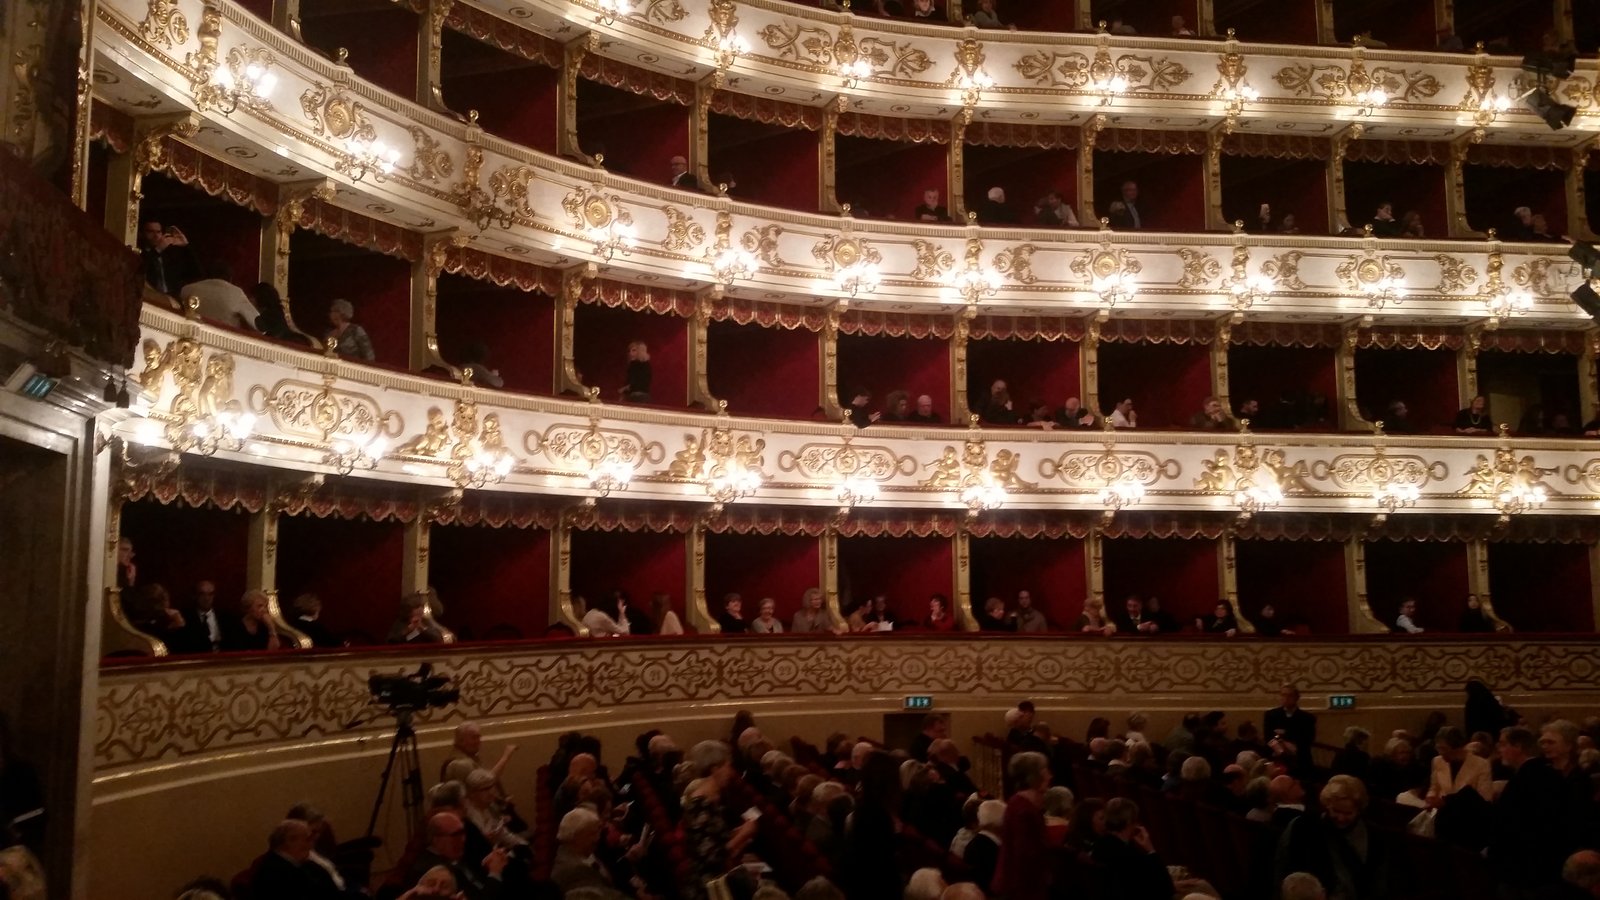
84, 99
1215, 220
1338, 218
414, 556
1589, 373
1091, 134
425, 272
430, 54
1350, 418
561, 611
1444, 16
956, 195
828, 157
694, 593
275, 240
566, 363
958, 364
828, 341
1455, 196
699, 358
1206, 24
1467, 364
828, 563
572, 56
700, 127
1325, 31
148, 154
1355, 576
961, 562
1577, 196
1478, 581
1563, 21
122, 636
261, 570
1094, 565
1228, 580
1089, 365
1219, 361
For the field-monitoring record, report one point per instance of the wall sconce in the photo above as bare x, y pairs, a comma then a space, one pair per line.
252, 89
347, 456
1394, 496
610, 475
972, 85
1515, 499
1119, 287
612, 238
1371, 99
1110, 88
1124, 491
612, 10
1256, 498
1234, 98
733, 263
852, 71
1250, 290
856, 490
1505, 303
860, 277
976, 282
481, 469
729, 483
982, 493
366, 156
1385, 291
205, 435
730, 47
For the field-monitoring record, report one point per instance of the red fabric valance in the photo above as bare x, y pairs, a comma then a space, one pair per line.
497, 32
502, 271
218, 179
1396, 337
917, 325
1277, 146
1024, 134
112, 125
640, 297
635, 80
888, 128
1520, 156
1158, 331
353, 228
767, 110
1505, 341
1029, 328
1416, 153
1286, 334
1151, 140
767, 313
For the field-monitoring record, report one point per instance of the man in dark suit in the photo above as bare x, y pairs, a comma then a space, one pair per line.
1127, 214
169, 263
1132, 867
1290, 730
202, 631
285, 872
576, 865
935, 726
447, 844
1288, 801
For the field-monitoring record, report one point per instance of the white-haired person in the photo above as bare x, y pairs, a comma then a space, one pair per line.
713, 848
1058, 805
1302, 886
482, 807
1350, 859
925, 884
575, 865
766, 620
353, 340
812, 617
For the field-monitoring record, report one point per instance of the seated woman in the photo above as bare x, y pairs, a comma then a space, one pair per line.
767, 621
639, 375
1093, 620
354, 342
307, 613
253, 630
940, 616
732, 616
667, 621
1221, 621
411, 626
151, 612
811, 618
995, 617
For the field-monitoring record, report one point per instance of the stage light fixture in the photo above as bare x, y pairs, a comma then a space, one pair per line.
1587, 300
1556, 114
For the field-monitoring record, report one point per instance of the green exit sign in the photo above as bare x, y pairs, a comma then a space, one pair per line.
1342, 701
919, 702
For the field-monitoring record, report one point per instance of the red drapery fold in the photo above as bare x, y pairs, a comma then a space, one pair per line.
353, 228
1422, 153
1534, 341
218, 179
886, 128
1024, 134
636, 80
1285, 334
1389, 338
640, 298
1029, 328
873, 323
111, 125
497, 32
1277, 146
1151, 140
502, 271
767, 110
767, 313
1520, 157
1158, 331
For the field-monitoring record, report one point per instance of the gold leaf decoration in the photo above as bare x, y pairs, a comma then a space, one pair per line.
164, 23
1017, 262
1199, 268
763, 242
1285, 270
1076, 71
1454, 273
428, 162
683, 233
932, 260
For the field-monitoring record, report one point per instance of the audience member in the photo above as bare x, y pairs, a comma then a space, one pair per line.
982, 850
1123, 415
930, 210
1029, 619
1291, 730
1348, 858
681, 177
271, 319
169, 262
475, 365
1397, 419
1023, 871
1383, 222
940, 616
220, 299
253, 629
997, 408
1094, 620
353, 340
1221, 621
713, 847
576, 865
924, 414
1475, 418
411, 626
1353, 758
732, 616
993, 209
766, 620
446, 847
1052, 212
1075, 415
203, 624
1127, 214
812, 617
1406, 621
1180, 28
1213, 416
667, 622
860, 416
1541, 230
1520, 228
285, 872
1302, 886
897, 407
1455, 769
607, 617
637, 381
1411, 225
986, 17
1133, 870
308, 621
995, 617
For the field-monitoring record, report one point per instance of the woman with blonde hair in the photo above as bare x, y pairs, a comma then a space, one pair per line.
1094, 620
812, 617
766, 621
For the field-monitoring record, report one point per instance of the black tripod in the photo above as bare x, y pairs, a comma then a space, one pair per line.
404, 751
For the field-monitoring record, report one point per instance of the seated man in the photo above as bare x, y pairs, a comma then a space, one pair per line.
1213, 417
930, 210
1123, 414
286, 872
575, 865
924, 413
1075, 415
447, 842
1132, 867
464, 756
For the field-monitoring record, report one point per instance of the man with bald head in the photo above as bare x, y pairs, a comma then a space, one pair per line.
924, 414
1288, 801
285, 872
1581, 874
680, 174
1073, 414
447, 846
464, 756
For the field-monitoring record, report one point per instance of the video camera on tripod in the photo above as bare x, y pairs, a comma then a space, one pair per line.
411, 693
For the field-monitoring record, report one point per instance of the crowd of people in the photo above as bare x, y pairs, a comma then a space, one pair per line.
1121, 815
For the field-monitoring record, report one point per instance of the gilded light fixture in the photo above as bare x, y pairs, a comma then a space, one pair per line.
730, 482
1513, 484
609, 474
1501, 300
225, 429
247, 80
729, 48
615, 236
981, 491
347, 456
853, 262
1245, 289
1116, 287
729, 264
363, 156
480, 468
975, 281
476, 204
856, 490
1392, 496
1122, 491
1253, 478
1384, 291
1368, 101
612, 10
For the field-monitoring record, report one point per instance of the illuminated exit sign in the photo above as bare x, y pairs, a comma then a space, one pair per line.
919, 702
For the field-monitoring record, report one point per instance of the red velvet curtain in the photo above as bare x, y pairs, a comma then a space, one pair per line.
638, 562
908, 570
1025, 173
382, 42
1494, 192
758, 565
1168, 382
1047, 371
1408, 187
1171, 187
494, 582
1542, 587
1518, 382
177, 546
515, 98
764, 371
1052, 570
884, 364
1433, 574
1268, 21
353, 565
1048, 15
1297, 186
1182, 573
1401, 24
322, 270
1152, 18
1303, 580
216, 228
885, 179
639, 135
1267, 374
786, 176
600, 344
518, 328
1424, 379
